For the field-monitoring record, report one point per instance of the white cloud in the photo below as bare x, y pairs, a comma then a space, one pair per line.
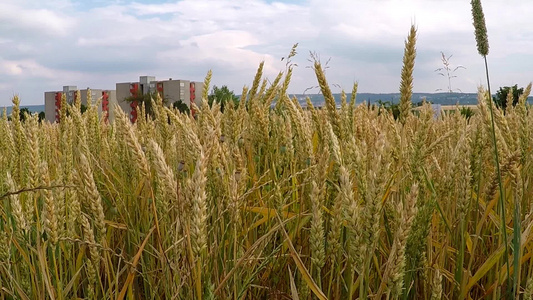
34, 21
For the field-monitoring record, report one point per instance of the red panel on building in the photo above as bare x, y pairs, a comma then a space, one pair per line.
58, 106
160, 89
192, 89
134, 91
133, 114
105, 105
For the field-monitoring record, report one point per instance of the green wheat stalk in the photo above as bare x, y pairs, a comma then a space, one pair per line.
482, 42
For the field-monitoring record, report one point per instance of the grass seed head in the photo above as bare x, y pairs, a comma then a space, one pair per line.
480, 28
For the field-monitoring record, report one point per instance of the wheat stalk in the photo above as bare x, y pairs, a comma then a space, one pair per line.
406, 84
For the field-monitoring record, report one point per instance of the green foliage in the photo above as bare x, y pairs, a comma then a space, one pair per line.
501, 96
83, 109
420, 103
146, 100
182, 107
42, 116
394, 108
466, 112
222, 95
22, 114
25, 111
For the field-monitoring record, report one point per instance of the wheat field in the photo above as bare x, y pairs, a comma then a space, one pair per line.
269, 201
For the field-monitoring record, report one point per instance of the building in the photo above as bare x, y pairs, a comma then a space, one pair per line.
170, 90
52, 101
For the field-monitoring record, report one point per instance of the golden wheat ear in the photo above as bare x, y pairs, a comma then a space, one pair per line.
406, 84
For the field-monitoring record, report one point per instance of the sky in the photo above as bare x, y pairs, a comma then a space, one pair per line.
45, 45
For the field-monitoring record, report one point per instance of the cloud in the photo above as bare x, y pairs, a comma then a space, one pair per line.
34, 23
47, 44
30, 68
